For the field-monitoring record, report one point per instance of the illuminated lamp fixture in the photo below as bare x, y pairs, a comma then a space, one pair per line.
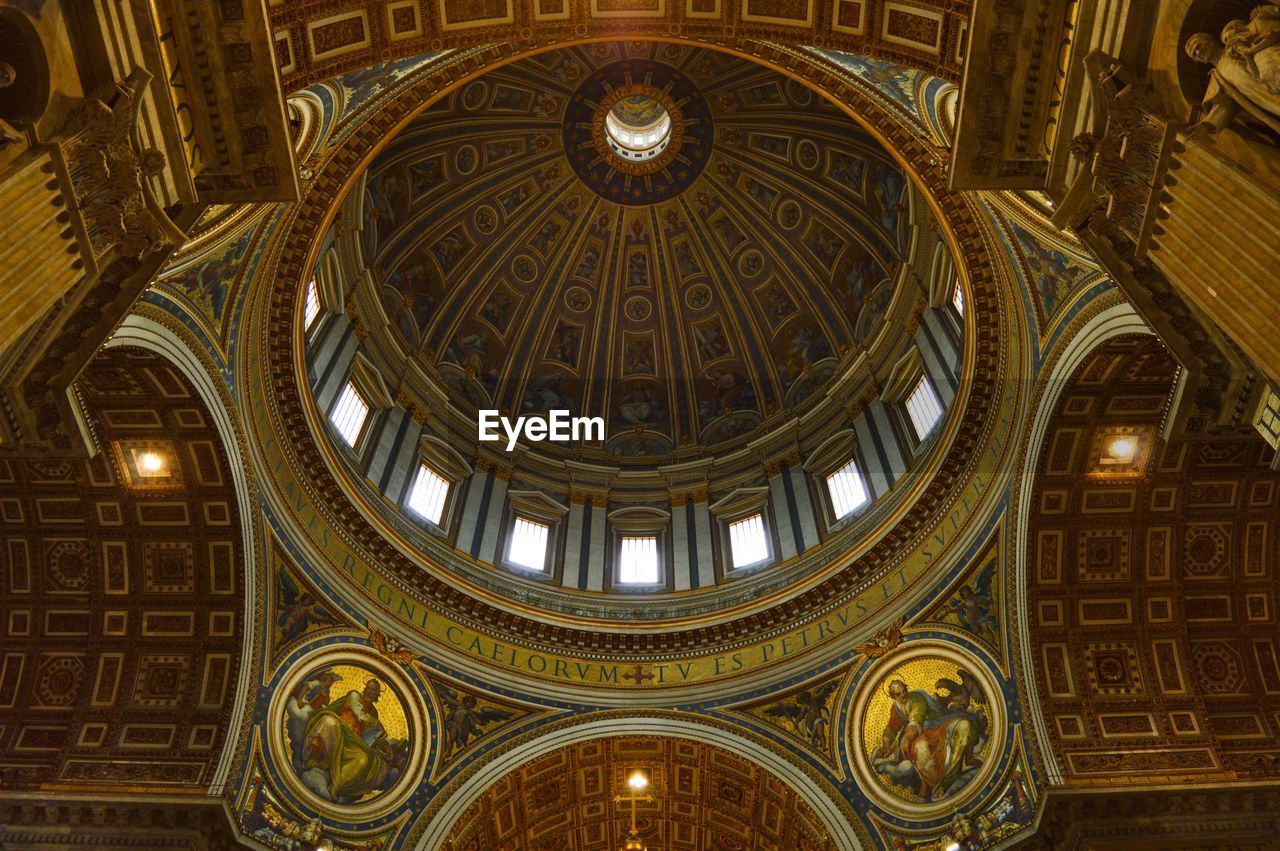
150, 464
1120, 452
637, 783
954, 846
1120, 449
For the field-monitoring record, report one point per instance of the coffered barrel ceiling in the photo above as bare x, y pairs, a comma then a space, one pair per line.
315, 40
123, 593
1152, 585
703, 797
528, 269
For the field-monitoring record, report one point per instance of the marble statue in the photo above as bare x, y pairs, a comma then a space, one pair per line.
1257, 43
1246, 71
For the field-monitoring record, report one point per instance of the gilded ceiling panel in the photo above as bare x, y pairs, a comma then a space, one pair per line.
122, 593
1152, 586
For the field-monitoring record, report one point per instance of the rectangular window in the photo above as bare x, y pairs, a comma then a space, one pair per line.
528, 546
924, 407
349, 414
638, 561
428, 493
957, 298
311, 307
747, 541
848, 491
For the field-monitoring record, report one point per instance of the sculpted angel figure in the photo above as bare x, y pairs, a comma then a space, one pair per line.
885, 640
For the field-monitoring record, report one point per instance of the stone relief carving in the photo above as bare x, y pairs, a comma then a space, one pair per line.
1124, 158
1114, 204
109, 170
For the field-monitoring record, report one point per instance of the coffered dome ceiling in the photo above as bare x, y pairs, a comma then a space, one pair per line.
716, 276
716, 260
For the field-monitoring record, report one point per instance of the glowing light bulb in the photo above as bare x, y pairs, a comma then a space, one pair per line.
1122, 448
638, 781
150, 462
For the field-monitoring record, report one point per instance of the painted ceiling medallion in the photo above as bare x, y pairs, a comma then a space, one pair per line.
928, 730
637, 132
347, 733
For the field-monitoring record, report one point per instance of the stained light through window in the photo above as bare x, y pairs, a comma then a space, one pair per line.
428, 494
311, 305
638, 561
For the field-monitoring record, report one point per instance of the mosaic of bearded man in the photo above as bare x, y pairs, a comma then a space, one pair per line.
347, 746
927, 746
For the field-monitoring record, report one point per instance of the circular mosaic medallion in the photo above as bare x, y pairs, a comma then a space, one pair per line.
927, 729
697, 296
475, 95
789, 214
799, 93
524, 268
346, 734
485, 218
577, 299
807, 155
637, 132
638, 309
466, 159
